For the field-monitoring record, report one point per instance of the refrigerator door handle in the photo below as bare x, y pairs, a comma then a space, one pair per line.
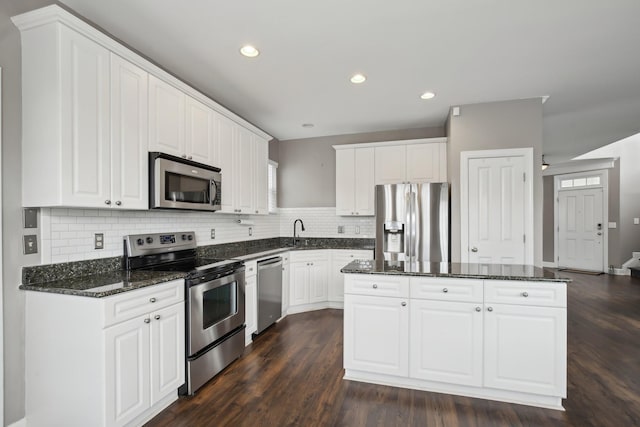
407, 226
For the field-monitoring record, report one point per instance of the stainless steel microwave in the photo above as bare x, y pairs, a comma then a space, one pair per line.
176, 183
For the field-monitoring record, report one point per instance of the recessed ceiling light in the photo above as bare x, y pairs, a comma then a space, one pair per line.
428, 95
308, 125
358, 78
249, 51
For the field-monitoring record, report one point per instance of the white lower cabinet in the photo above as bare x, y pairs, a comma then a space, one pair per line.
251, 300
446, 341
339, 259
285, 282
376, 334
309, 277
122, 356
507, 343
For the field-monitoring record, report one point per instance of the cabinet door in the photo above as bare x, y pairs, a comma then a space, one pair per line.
166, 118
167, 351
245, 171
251, 304
261, 183
318, 281
226, 136
376, 334
345, 181
336, 282
127, 387
199, 139
446, 342
525, 349
364, 188
299, 283
423, 162
84, 111
286, 278
129, 137
390, 164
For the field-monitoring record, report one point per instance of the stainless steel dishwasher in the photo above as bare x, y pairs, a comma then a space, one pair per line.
269, 292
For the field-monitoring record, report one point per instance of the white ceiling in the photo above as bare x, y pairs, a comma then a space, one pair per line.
584, 54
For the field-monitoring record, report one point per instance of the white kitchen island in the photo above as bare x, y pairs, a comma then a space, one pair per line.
496, 332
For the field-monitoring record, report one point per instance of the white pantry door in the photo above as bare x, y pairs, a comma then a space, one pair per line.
496, 194
580, 229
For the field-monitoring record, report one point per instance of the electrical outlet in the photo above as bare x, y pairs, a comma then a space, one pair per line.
250, 231
357, 229
636, 221
30, 244
213, 233
340, 229
98, 241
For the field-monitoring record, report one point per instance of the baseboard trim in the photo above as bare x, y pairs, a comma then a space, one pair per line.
19, 423
549, 264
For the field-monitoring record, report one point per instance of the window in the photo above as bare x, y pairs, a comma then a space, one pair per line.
273, 187
580, 182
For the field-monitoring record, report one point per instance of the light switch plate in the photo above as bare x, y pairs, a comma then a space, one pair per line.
250, 231
340, 229
613, 225
30, 244
30, 218
636, 221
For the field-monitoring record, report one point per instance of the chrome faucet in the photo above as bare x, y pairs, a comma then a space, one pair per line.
295, 238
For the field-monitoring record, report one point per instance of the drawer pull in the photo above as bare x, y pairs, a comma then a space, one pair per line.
478, 309
147, 320
490, 309
157, 317
404, 304
445, 290
152, 299
375, 286
525, 294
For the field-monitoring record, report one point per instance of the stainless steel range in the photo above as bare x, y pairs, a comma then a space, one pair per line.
215, 299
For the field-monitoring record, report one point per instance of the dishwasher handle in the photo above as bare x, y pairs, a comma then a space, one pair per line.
269, 263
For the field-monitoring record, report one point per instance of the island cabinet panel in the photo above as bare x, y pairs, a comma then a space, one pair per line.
525, 349
376, 334
446, 342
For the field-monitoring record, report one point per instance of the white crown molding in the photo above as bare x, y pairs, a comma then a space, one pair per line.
54, 14
391, 143
575, 166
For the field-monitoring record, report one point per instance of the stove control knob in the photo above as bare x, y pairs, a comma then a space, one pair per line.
190, 237
149, 240
140, 242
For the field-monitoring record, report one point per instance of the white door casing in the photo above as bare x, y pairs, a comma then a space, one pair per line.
497, 206
577, 243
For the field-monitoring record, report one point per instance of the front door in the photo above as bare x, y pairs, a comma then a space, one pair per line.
580, 229
496, 194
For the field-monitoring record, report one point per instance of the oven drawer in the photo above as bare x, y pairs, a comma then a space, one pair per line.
131, 304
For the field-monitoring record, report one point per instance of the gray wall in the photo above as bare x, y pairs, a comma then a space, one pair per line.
490, 126
307, 167
12, 258
548, 250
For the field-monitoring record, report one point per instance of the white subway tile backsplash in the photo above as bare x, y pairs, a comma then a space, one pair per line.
67, 234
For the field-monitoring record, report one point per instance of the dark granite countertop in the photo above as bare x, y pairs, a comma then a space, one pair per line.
104, 284
458, 270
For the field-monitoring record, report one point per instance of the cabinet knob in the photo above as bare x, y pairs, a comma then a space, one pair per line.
352, 213
525, 294
375, 286
474, 249
489, 308
152, 299
107, 202
239, 210
478, 309
190, 158
357, 213
157, 317
445, 290
147, 320
184, 156
256, 211
404, 304
118, 203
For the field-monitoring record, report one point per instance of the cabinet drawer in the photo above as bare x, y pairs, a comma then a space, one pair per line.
135, 303
376, 284
435, 288
309, 255
547, 294
251, 268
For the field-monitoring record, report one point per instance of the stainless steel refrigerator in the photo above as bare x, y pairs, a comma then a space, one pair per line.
412, 222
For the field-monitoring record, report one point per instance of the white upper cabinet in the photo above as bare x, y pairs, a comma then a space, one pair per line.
412, 161
261, 178
129, 138
244, 171
166, 118
354, 181
199, 132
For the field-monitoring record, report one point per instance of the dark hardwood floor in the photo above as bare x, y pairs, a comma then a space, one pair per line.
292, 376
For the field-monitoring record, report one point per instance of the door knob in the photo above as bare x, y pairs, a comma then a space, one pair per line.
599, 233
474, 249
